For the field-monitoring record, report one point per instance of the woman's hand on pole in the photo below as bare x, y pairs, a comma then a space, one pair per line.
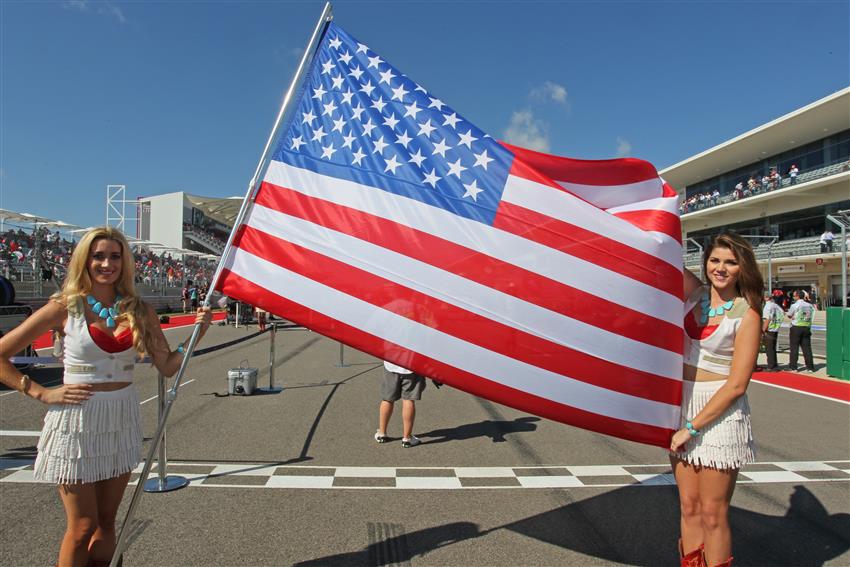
204, 318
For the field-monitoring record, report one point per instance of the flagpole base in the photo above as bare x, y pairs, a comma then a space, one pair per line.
166, 484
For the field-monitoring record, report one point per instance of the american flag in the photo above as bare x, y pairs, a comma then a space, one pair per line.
389, 222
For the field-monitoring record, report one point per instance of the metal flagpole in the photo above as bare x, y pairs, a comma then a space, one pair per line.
309, 53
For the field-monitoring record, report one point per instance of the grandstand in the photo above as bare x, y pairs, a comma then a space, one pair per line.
747, 184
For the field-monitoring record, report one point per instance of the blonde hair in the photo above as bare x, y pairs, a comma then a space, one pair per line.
78, 285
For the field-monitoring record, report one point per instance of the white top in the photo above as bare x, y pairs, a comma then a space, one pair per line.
801, 312
87, 363
713, 353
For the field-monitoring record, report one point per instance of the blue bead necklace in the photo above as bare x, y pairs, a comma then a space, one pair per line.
707, 311
108, 313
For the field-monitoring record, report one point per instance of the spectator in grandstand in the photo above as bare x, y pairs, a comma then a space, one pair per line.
723, 331
92, 437
826, 241
739, 190
715, 197
193, 294
775, 178
792, 173
802, 314
772, 317
765, 184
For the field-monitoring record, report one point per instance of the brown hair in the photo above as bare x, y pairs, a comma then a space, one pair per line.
77, 285
750, 283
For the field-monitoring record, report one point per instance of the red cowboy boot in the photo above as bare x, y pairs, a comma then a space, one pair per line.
692, 559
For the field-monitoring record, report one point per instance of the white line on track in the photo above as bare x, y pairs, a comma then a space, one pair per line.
846, 403
155, 397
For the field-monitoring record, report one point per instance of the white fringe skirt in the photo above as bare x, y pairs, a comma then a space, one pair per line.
726, 443
96, 440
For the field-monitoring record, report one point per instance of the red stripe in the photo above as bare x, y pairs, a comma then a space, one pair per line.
809, 384
458, 322
590, 246
235, 286
622, 171
669, 191
656, 220
492, 272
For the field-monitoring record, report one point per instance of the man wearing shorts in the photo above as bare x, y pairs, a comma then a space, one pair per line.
399, 383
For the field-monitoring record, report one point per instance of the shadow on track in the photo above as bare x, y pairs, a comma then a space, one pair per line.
643, 521
494, 429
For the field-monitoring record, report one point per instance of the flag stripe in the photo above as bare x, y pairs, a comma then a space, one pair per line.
469, 295
603, 172
464, 324
655, 220
451, 260
495, 243
236, 285
557, 203
450, 350
590, 246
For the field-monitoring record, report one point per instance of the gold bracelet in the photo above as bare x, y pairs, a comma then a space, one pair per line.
25, 384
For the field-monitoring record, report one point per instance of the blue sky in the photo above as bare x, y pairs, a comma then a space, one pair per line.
168, 96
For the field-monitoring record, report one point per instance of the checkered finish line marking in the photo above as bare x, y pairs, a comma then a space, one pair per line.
245, 475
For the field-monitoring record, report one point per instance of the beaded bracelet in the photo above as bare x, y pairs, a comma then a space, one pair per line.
691, 429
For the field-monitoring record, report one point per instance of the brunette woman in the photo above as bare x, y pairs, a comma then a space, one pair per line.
722, 334
92, 436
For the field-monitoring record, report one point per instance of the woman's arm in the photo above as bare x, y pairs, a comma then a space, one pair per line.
49, 317
168, 361
691, 282
743, 360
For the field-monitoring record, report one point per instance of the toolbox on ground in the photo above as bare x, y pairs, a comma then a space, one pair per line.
241, 381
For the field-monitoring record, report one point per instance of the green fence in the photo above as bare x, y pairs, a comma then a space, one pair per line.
838, 342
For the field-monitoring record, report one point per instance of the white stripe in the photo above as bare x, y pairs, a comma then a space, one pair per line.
607, 196
513, 249
469, 295
448, 349
669, 204
18, 433
845, 402
560, 205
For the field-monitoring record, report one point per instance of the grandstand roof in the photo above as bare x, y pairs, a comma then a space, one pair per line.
819, 119
223, 210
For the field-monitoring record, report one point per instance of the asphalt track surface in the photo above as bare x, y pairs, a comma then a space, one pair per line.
295, 478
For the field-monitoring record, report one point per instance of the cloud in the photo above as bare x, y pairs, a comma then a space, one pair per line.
549, 92
97, 8
624, 147
527, 131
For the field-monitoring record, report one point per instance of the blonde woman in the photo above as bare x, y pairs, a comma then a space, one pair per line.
92, 436
722, 335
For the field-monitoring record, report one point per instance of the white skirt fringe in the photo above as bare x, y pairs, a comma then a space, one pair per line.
726, 443
96, 440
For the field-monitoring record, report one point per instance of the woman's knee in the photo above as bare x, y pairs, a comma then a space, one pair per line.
714, 515
689, 504
81, 530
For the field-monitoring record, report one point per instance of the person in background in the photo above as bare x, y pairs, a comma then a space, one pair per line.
722, 335
826, 241
772, 317
792, 173
184, 295
92, 435
802, 314
406, 385
261, 318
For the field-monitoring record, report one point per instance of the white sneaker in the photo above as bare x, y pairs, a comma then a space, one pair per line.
412, 441
381, 437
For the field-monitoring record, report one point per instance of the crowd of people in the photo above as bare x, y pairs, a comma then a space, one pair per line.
18, 254
755, 185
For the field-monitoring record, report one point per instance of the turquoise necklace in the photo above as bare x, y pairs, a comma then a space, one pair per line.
708, 311
108, 313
